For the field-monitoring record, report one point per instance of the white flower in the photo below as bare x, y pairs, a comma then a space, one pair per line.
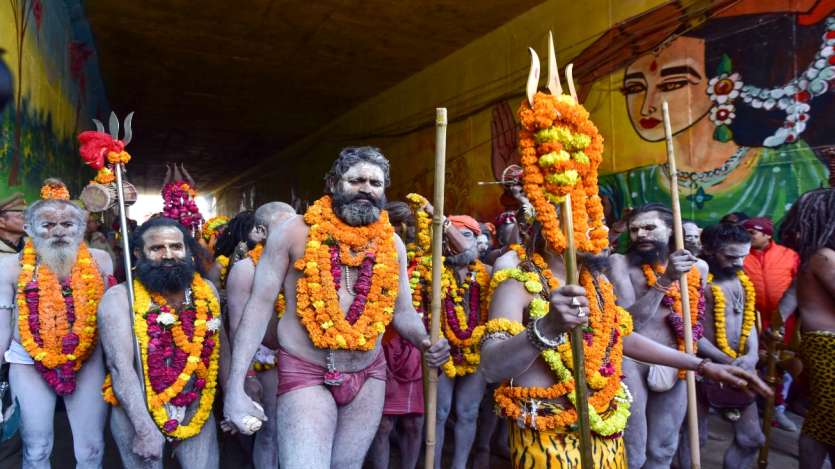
724, 88
722, 114
213, 324
166, 319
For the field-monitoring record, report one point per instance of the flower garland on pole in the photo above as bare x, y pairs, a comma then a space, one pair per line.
179, 204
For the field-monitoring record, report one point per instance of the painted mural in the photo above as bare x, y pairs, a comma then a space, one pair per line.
57, 89
750, 90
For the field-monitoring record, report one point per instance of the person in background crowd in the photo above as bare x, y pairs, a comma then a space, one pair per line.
692, 237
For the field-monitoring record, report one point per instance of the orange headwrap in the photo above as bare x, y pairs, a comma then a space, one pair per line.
465, 221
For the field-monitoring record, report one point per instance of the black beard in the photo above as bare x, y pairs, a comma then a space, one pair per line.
652, 257
355, 213
168, 276
719, 272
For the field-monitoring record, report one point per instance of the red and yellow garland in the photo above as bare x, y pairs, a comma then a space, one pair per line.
48, 333
318, 299
464, 338
200, 343
561, 150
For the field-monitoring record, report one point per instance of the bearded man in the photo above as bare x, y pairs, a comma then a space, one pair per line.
809, 229
646, 283
262, 380
692, 237
48, 299
176, 319
730, 337
348, 280
466, 297
11, 224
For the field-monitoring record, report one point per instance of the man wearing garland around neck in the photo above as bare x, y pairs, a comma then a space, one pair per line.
526, 341
262, 380
48, 299
730, 337
343, 271
646, 282
176, 319
809, 229
463, 314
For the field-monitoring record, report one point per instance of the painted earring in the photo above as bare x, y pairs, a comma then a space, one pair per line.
723, 89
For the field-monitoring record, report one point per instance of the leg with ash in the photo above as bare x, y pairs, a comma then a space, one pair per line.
123, 434
306, 429
665, 415
265, 450
380, 453
446, 387
357, 424
635, 434
200, 451
468, 392
410, 437
37, 410
87, 413
748, 438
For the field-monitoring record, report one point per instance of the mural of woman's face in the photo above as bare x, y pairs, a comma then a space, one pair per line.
676, 75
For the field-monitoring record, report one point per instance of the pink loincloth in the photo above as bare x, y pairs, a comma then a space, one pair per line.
404, 384
295, 373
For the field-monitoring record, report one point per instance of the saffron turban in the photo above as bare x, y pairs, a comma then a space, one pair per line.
465, 221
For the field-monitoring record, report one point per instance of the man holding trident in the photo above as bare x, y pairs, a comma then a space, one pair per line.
343, 271
526, 340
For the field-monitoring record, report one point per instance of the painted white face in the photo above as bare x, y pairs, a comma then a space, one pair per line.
647, 229
165, 243
732, 256
483, 243
363, 178
58, 226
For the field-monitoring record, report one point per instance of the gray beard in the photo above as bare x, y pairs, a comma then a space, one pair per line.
464, 258
359, 214
59, 259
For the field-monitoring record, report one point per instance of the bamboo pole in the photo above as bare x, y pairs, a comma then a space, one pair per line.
437, 268
692, 410
772, 340
581, 403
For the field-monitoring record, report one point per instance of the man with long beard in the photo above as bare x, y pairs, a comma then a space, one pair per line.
731, 338
262, 381
462, 383
176, 318
48, 299
343, 271
646, 283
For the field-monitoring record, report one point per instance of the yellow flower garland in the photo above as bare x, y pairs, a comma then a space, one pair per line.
749, 316
470, 347
207, 308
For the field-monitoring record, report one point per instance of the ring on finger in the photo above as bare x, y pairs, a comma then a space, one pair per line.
581, 312
575, 302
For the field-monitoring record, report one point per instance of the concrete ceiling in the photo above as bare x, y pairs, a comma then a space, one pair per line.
220, 84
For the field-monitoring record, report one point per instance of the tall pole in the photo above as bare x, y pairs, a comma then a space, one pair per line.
581, 402
437, 268
123, 223
692, 412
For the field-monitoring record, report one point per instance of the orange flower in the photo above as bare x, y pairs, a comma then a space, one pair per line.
317, 298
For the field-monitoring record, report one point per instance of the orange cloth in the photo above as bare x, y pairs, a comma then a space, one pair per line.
771, 270
465, 221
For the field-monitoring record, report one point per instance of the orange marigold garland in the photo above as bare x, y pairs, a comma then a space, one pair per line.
672, 300
561, 150
57, 319
331, 244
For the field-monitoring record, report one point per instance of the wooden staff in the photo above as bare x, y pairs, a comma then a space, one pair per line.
773, 342
437, 268
692, 412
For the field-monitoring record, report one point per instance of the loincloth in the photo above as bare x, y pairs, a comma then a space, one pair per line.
817, 350
404, 382
534, 449
295, 373
17, 354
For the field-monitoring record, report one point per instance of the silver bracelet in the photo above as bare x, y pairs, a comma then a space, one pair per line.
542, 343
498, 335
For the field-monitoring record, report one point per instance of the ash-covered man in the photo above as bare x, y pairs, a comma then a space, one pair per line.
48, 299
730, 337
176, 318
646, 283
343, 271
262, 381
692, 237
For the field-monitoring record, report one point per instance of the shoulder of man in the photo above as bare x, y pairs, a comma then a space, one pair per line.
507, 260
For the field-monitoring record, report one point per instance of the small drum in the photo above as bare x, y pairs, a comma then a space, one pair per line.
100, 197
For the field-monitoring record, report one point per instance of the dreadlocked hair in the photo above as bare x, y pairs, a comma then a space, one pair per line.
236, 231
810, 223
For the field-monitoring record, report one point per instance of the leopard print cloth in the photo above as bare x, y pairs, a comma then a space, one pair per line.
532, 449
817, 351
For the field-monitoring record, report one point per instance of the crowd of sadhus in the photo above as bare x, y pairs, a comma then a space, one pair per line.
309, 331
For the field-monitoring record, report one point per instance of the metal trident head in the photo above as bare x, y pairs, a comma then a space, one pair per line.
554, 85
114, 127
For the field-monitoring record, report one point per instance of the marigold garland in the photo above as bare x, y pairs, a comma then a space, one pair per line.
213, 226
54, 191
318, 307
57, 320
561, 150
673, 300
195, 354
420, 259
749, 315
462, 330
609, 401
223, 263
